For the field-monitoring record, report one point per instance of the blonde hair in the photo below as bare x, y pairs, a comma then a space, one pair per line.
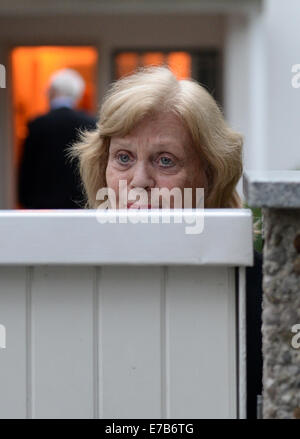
151, 90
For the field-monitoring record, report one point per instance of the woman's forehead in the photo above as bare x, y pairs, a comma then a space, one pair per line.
161, 128
156, 142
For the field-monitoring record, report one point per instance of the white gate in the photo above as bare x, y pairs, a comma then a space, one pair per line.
123, 320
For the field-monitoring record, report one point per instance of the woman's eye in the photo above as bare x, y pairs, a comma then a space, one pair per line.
166, 161
123, 158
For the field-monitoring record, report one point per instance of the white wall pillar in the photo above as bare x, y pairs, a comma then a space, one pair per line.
245, 84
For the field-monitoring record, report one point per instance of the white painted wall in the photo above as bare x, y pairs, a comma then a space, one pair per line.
244, 84
259, 98
109, 32
282, 23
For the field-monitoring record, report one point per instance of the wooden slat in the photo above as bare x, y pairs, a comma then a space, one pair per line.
62, 342
130, 344
13, 359
201, 343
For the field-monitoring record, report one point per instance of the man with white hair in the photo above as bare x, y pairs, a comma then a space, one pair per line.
47, 179
65, 87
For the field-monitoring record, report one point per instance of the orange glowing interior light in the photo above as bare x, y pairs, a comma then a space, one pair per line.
31, 70
125, 63
153, 58
179, 62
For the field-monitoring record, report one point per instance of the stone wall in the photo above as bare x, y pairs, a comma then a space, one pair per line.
278, 194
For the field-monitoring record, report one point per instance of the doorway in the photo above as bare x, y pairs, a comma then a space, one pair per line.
31, 70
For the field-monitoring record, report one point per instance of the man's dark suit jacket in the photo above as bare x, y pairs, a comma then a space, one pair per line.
47, 180
254, 335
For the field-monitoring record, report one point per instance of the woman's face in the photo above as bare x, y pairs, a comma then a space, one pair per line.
157, 153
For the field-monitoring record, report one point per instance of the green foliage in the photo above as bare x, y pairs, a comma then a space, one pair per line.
256, 212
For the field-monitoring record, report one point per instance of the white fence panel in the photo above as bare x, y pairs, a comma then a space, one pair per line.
92, 334
13, 359
62, 342
131, 342
201, 329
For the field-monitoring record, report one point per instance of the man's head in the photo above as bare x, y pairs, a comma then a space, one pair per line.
66, 83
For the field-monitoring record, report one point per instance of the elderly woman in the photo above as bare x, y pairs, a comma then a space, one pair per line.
155, 132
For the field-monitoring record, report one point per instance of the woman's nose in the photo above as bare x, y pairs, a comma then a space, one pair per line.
142, 177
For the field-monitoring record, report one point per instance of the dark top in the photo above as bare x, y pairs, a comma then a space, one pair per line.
254, 335
47, 180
